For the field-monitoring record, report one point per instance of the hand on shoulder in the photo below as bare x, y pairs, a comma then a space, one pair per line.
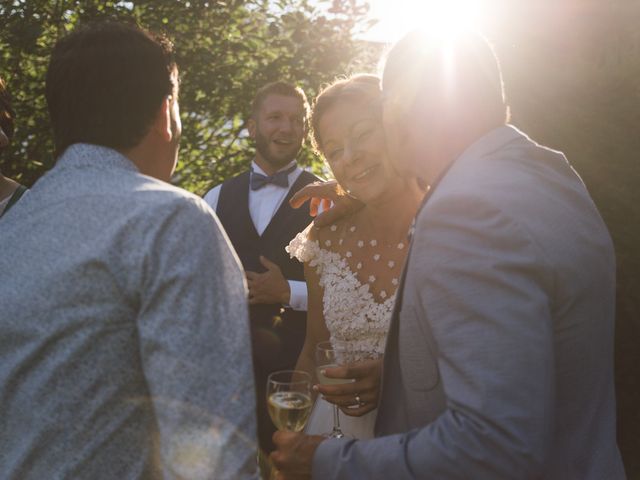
329, 195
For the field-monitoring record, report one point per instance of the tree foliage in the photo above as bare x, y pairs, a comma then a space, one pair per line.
225, 49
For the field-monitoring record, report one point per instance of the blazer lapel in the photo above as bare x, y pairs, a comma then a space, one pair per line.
392, 348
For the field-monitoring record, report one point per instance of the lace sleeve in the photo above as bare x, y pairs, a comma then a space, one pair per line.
302, 247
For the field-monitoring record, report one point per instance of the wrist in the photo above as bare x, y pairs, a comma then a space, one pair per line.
285, 297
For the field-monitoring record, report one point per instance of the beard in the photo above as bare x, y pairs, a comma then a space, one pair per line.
276, 160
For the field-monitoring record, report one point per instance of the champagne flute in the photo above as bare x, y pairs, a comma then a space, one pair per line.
289, 405
289, 399
331, 355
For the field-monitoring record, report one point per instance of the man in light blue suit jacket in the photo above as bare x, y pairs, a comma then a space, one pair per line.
499, 361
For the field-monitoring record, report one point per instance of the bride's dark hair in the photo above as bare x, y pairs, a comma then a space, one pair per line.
361, 88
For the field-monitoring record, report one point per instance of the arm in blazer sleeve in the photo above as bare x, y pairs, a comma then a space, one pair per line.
481, 284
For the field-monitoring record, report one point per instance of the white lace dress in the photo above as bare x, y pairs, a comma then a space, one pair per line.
352, 315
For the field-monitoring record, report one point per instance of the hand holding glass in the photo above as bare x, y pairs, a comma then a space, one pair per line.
331, 355
289, 399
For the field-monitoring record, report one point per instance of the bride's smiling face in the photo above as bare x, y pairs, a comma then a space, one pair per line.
352, 141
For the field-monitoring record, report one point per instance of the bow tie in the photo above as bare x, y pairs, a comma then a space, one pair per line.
281, 179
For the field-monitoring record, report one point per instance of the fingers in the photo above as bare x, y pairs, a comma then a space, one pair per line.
313, 206
328, 189
299, 198
319, 204
351, 399
338, 210
340, 371
255, 279
283, 442
281, 437
268, 264
345, 394
361, 369
359, 411
355, 405
357, 370
361, 393
292, 457
256, 297
305, 193
278, 475
251, 282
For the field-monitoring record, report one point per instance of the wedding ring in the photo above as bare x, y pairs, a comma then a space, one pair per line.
360, 402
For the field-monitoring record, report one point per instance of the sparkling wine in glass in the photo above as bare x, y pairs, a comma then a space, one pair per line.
330, 355
289, 399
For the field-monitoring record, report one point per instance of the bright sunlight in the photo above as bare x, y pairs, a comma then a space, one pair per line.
443, 17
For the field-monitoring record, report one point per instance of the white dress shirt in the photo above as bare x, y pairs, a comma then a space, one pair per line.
263, 205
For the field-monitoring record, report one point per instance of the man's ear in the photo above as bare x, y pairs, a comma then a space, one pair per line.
162, 123
251, 126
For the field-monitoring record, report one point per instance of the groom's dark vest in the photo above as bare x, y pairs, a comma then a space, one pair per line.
285, 329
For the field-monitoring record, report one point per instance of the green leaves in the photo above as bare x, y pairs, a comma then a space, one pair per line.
226, 50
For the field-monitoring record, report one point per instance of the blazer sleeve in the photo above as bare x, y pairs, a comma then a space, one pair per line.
483, 286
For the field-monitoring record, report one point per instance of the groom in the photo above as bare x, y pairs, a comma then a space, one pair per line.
499, 359
254, 210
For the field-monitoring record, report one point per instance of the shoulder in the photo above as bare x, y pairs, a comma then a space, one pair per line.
179, 224
326, 241
165, 205
495, 204
521, 178
304, 247
308, 244
329, 236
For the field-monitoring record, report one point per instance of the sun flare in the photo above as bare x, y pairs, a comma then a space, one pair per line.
442, 17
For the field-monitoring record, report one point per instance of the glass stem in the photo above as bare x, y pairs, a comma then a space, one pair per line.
336, 418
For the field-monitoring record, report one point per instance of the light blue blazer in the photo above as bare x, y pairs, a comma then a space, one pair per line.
499, 361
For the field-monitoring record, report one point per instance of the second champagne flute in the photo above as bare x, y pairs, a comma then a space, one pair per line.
331, 355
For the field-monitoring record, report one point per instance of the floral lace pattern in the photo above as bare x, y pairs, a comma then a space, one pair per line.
350, 310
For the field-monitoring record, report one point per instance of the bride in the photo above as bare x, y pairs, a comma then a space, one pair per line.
353, 266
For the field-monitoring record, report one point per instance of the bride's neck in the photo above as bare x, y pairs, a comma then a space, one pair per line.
392, 215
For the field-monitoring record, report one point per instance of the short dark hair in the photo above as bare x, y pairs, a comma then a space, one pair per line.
463, 70
105, 84
7, 115
280, 88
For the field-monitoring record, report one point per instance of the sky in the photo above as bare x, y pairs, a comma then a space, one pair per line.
397, 17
